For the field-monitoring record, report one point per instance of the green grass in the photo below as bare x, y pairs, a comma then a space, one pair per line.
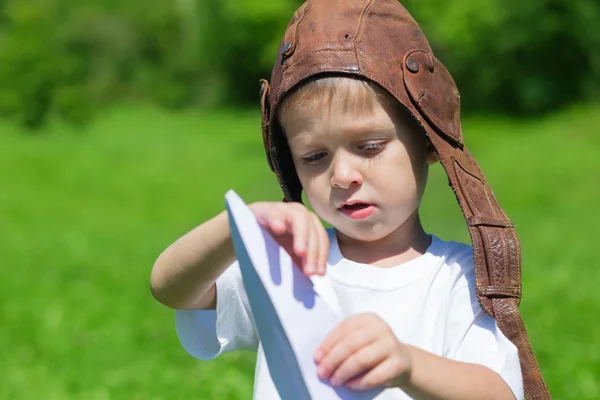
84, 214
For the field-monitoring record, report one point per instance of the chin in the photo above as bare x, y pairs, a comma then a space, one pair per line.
364, 231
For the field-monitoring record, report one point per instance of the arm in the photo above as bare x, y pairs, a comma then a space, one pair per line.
363, 352
184, 275
435, 377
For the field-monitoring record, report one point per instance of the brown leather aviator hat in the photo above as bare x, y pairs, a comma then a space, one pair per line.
378, 40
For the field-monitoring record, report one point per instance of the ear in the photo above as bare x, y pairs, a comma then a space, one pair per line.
432, 155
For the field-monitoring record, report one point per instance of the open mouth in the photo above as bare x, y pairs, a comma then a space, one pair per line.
357, 210
355, 206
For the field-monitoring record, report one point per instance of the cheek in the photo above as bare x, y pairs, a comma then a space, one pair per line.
317, 191
397, 165
401, 176
305, 180
313, 186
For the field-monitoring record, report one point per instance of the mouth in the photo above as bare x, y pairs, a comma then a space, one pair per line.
357, 210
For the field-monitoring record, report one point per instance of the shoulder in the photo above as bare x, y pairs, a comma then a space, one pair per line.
456, 254
457, 260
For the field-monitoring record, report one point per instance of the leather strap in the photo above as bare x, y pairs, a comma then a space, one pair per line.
497, 256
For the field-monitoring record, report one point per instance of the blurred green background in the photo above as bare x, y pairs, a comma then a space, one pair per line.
122, 125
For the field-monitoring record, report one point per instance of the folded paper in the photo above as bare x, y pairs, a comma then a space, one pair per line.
291, 318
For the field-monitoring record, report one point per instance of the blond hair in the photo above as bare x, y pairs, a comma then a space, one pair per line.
348, 93
351, 94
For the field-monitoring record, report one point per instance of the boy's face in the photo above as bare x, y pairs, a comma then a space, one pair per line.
373, 155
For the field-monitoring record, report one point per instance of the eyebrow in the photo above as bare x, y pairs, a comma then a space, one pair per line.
307, 139
364, 130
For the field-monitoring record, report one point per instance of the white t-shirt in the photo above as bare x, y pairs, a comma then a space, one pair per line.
429, 302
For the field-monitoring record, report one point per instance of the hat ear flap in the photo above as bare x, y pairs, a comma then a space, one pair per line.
434, 93
277, 149
284, 164
265, 91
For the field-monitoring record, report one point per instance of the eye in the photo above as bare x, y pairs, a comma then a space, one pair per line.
314, 158
372, 147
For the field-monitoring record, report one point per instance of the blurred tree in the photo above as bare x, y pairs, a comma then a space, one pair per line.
68, 58
38, 72
516, 56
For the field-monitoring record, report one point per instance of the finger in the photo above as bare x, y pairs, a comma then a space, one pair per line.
260, 212
277, 221
360, 362
312, 250
287, 242
343, 350
382, 374
298, 224
323, 247
345, 328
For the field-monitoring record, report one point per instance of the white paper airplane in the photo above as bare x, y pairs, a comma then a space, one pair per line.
291, 318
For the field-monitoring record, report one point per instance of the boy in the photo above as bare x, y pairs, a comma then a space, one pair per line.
357, 109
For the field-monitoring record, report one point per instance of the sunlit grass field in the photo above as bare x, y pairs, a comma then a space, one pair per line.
85, 212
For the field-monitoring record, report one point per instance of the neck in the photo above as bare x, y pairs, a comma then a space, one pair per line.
407, 242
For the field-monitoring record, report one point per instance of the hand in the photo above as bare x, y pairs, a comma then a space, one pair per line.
298, 231
362, 352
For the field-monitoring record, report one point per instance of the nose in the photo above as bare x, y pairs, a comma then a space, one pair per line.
344, 173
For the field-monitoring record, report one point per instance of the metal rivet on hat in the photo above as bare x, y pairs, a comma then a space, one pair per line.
412, 65
286, 48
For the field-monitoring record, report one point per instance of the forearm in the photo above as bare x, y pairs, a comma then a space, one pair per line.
435, 377
185, 272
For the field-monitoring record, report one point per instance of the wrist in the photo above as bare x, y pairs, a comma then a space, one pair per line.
405, 367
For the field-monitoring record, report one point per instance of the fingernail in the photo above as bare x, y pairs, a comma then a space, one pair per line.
318, 355
321, 372
334, 381
310, 269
